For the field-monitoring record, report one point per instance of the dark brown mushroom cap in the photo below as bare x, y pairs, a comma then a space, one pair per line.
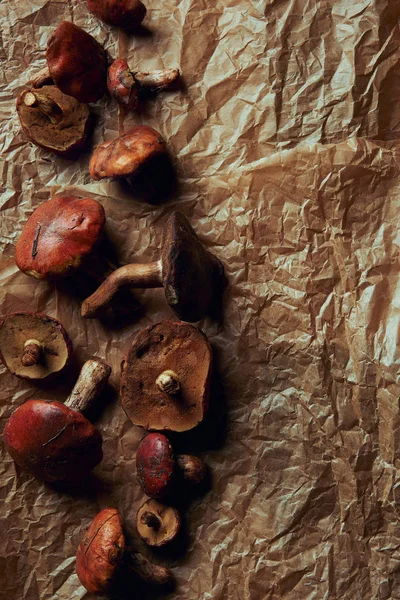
52, 442
157, 524
100, 552
58, 235
128, 153
181, 348
55, 122
155, 465
125, 14
77, 63
189, 271
17, 328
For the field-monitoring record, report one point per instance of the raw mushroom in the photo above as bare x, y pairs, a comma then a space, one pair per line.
189, 274
76, 63
127, 154
52, 120
125, 14
165, 380
157, 524
34, 346
103, 551
125, 85
55, 441
157, 468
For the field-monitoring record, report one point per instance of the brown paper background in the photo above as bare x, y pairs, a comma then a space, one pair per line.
285, 142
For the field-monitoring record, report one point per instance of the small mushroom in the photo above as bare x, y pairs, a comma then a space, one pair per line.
52, 120
189, 274
76, 63
55, 441
127, 154
164, 358
157, 467
125, 14
157, 524
125, 85
103, 552
34, 346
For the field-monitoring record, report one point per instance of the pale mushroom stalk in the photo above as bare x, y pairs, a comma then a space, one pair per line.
44, 104
168, 382
91, 381
156, 80
32, 353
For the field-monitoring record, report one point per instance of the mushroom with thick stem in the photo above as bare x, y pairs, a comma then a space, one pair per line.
103, 551
34, 346
190, 275
125, 85
165, 380
157, 466
53, 120
53, 441
157, 524
125, 14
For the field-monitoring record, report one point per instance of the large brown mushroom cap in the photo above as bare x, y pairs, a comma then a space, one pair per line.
54, 351
52, 442
125, 14
167, 346
157, 524
53, 120
189, 271
58, 235
77, 63
100, 552
128, 153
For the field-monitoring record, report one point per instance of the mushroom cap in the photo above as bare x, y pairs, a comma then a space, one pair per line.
125, 14
125, 155
66, 132
189, 272
121, 84
17, 328
77, 63
52, 442
100, 552
167, 345
169, 523
155, 465
58, 235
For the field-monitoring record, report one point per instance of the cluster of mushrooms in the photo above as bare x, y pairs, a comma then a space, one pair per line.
165, 378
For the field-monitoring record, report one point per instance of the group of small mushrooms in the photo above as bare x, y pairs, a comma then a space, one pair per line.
165, 379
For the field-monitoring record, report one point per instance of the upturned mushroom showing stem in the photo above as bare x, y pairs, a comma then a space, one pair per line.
189, 274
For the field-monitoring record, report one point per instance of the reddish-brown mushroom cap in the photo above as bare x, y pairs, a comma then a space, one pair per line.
58, 235
125, 155
157, 524
77, 63
125, 14
100, 552
181, 348
53, 120
121, 84
155, 465
33, 345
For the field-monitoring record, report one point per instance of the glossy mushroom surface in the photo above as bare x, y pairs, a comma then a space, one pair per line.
155, 465
125, 14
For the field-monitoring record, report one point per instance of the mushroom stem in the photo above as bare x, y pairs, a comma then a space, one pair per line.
41, 78
157, 80
149, 572
168, 383
138, 276
92, 379
151, 520
45, 105
32, 353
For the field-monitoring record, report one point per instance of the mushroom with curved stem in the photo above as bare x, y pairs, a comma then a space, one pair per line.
34, 346
157, 524
125, 14
53, 441
189, 274
103, 551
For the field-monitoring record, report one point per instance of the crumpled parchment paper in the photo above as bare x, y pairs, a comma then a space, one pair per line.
285, 142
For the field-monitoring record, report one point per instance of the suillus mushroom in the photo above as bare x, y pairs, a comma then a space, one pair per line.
158, 468
33, 345
189, 274
165, 380
125, 85
103, 551
127, 154
53, 120
125, 14
157, 524
53, 441
76, 63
